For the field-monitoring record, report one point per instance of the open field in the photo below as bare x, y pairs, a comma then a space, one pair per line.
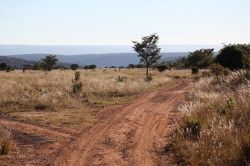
118, 118
48, 98
45, 117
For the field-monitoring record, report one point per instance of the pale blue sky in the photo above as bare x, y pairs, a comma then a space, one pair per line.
117, 22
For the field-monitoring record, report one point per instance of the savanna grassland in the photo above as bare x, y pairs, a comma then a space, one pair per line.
48, 97
44, 118
38, 103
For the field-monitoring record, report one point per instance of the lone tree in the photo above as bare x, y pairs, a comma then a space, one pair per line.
48, 62
148, 51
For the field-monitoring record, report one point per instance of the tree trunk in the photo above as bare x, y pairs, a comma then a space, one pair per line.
147, 75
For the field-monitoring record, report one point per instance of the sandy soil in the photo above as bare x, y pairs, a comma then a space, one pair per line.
135, 134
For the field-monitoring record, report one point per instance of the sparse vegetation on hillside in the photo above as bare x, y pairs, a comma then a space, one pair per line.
215, 123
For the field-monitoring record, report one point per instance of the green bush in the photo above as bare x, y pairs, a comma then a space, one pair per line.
162, 67
234, 56
77, 76
77, 85
200, 58
192, 127
195, 70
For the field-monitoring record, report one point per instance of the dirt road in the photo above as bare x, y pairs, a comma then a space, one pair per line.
135, 135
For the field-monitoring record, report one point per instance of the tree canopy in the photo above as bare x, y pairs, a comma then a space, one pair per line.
48, 62
148, 50
234, 56
200, 58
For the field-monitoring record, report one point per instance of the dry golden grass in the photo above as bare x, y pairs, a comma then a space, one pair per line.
215, 123
47, 97
7, 145
34, 88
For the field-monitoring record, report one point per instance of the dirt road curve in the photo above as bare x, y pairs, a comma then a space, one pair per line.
134, 135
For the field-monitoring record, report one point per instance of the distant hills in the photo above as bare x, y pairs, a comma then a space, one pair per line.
90, 49
101, 55
16, 63
101, 60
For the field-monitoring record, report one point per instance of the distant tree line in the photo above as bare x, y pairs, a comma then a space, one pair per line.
232, 56
51, 62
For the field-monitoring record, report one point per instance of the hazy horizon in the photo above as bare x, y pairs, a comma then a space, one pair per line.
91, 49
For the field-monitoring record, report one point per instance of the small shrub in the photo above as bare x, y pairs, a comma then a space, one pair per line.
227, 108
121, 79
77, 76
77, 85
229, 104
195, 70
161, 67
192, 127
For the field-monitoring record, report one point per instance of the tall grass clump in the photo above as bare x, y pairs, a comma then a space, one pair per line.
214, 126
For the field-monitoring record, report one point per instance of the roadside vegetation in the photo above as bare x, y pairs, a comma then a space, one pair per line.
215, 123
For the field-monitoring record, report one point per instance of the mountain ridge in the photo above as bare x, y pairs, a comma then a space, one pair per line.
101, 60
